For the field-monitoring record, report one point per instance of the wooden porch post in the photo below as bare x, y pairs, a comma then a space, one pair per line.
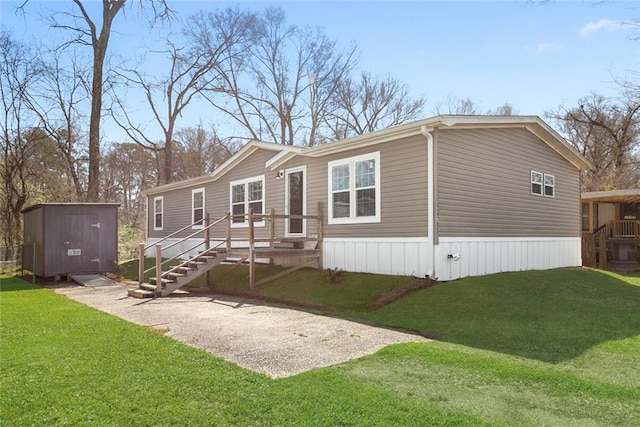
319, 230
141, 263
158, 269
228, 231
591, 225
252, 278
207, 236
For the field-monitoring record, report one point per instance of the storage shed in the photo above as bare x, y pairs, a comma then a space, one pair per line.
68, 238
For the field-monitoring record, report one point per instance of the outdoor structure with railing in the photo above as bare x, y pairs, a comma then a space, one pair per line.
217, 241
611, 229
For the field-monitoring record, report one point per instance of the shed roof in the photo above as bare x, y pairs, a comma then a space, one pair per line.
40, 205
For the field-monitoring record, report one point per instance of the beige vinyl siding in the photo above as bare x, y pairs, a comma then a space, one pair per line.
403, 172
484, 186
177, 203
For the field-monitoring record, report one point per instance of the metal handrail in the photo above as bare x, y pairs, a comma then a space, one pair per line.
150, 245
193, 234
157, 244
173, 258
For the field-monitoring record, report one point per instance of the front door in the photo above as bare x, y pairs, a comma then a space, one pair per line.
295, 201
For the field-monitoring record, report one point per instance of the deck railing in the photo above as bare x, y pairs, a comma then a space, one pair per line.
205, 232
624, 228
224, 240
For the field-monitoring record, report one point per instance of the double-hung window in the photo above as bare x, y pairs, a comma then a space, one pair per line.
549, 185
247, 194
536, 183
543, 184
354, 189
197, 208
158, 212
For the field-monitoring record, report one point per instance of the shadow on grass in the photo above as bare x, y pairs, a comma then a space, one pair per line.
550, 316
16, 283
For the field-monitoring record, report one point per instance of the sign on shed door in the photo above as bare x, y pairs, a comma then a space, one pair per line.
81, 242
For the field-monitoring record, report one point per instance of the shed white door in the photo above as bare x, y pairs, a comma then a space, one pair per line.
82, 240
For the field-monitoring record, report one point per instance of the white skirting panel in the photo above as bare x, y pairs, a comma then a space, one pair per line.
480, 256
396, 256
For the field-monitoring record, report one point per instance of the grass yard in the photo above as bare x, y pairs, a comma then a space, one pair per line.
534, 348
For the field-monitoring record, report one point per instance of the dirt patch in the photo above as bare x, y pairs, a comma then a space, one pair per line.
401, 291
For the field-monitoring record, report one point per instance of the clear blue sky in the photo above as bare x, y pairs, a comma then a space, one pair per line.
534, 57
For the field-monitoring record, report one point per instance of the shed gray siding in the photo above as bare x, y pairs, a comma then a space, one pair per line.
484, 186
89, 230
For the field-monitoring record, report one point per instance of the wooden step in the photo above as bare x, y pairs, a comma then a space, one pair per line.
174, 274
147, 287
162, 279
141, 293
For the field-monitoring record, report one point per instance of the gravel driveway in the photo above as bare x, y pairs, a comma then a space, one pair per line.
272, 340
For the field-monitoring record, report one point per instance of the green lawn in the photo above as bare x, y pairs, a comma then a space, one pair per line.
534, 348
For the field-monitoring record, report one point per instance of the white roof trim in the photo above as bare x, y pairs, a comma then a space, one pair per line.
248, 149
283, 157
631, 192
533, 124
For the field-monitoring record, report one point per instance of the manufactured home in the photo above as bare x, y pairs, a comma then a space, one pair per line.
445, 197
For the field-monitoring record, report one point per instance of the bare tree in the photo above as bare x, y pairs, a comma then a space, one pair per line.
607, 132
96, 33
192, 70
128, 169
371, 104
18, 73
57, 101
466, 107
278, 87
452, 105
201, 151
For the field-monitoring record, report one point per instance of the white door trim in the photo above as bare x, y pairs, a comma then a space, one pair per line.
287, 172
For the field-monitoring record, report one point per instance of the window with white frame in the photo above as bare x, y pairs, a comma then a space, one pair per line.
354, 189
543, 184
197, 207
246, 194
549, 185
536, 183
158, 213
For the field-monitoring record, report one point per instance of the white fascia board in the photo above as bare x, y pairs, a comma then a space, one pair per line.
282, 157
377, 137
632, 193
248, 149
